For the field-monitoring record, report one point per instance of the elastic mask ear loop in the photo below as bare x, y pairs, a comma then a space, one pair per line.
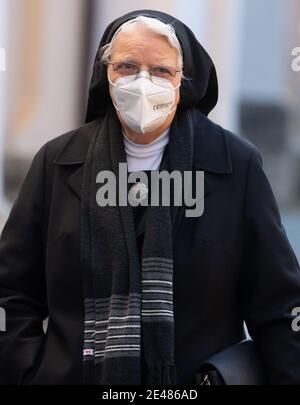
114, 85
174, 108
110, 82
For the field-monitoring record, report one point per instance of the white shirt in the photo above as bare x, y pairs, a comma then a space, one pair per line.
145, 157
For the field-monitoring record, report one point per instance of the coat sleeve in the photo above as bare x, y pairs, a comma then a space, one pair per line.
271, 281
22, 277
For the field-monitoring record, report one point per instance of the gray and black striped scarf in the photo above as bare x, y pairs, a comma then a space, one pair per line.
128, 302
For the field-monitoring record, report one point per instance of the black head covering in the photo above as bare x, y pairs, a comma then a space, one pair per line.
200, 92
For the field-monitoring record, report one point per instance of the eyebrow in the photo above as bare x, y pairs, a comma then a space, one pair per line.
131, 61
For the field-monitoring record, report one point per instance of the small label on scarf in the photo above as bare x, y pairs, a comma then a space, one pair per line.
88, 352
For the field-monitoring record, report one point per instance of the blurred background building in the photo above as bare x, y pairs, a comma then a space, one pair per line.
50, 46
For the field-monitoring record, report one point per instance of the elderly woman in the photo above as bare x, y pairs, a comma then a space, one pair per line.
145, 294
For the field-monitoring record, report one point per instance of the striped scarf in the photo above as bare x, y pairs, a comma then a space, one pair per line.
128, 301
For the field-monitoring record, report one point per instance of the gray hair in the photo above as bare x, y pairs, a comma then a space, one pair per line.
152, 24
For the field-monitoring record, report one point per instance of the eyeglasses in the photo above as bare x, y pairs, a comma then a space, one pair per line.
128, 69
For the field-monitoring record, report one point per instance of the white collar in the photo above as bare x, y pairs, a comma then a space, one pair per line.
145, 157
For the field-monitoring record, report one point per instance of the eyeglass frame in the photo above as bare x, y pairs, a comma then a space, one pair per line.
148, 70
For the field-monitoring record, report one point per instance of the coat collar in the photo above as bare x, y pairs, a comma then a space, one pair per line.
212, 152
74, 153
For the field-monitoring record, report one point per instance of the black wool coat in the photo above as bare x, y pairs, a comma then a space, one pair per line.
232, 264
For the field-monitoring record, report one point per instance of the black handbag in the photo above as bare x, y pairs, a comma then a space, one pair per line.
238, 365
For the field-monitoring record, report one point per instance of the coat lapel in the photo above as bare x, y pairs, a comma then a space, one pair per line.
73, 155
75, 181
211, 155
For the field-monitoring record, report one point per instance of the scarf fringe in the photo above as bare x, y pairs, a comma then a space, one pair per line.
162, 375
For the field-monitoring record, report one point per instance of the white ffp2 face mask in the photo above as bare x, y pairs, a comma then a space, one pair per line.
143, 105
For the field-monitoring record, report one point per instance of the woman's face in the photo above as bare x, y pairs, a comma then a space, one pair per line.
146, 49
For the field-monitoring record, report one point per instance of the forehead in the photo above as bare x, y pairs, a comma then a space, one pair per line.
144, 46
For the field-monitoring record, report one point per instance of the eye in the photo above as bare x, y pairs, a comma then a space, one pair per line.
126, 68
161, 71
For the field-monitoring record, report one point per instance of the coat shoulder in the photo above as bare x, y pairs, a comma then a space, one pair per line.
218, 149
237, 143
240, 147
70, 147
